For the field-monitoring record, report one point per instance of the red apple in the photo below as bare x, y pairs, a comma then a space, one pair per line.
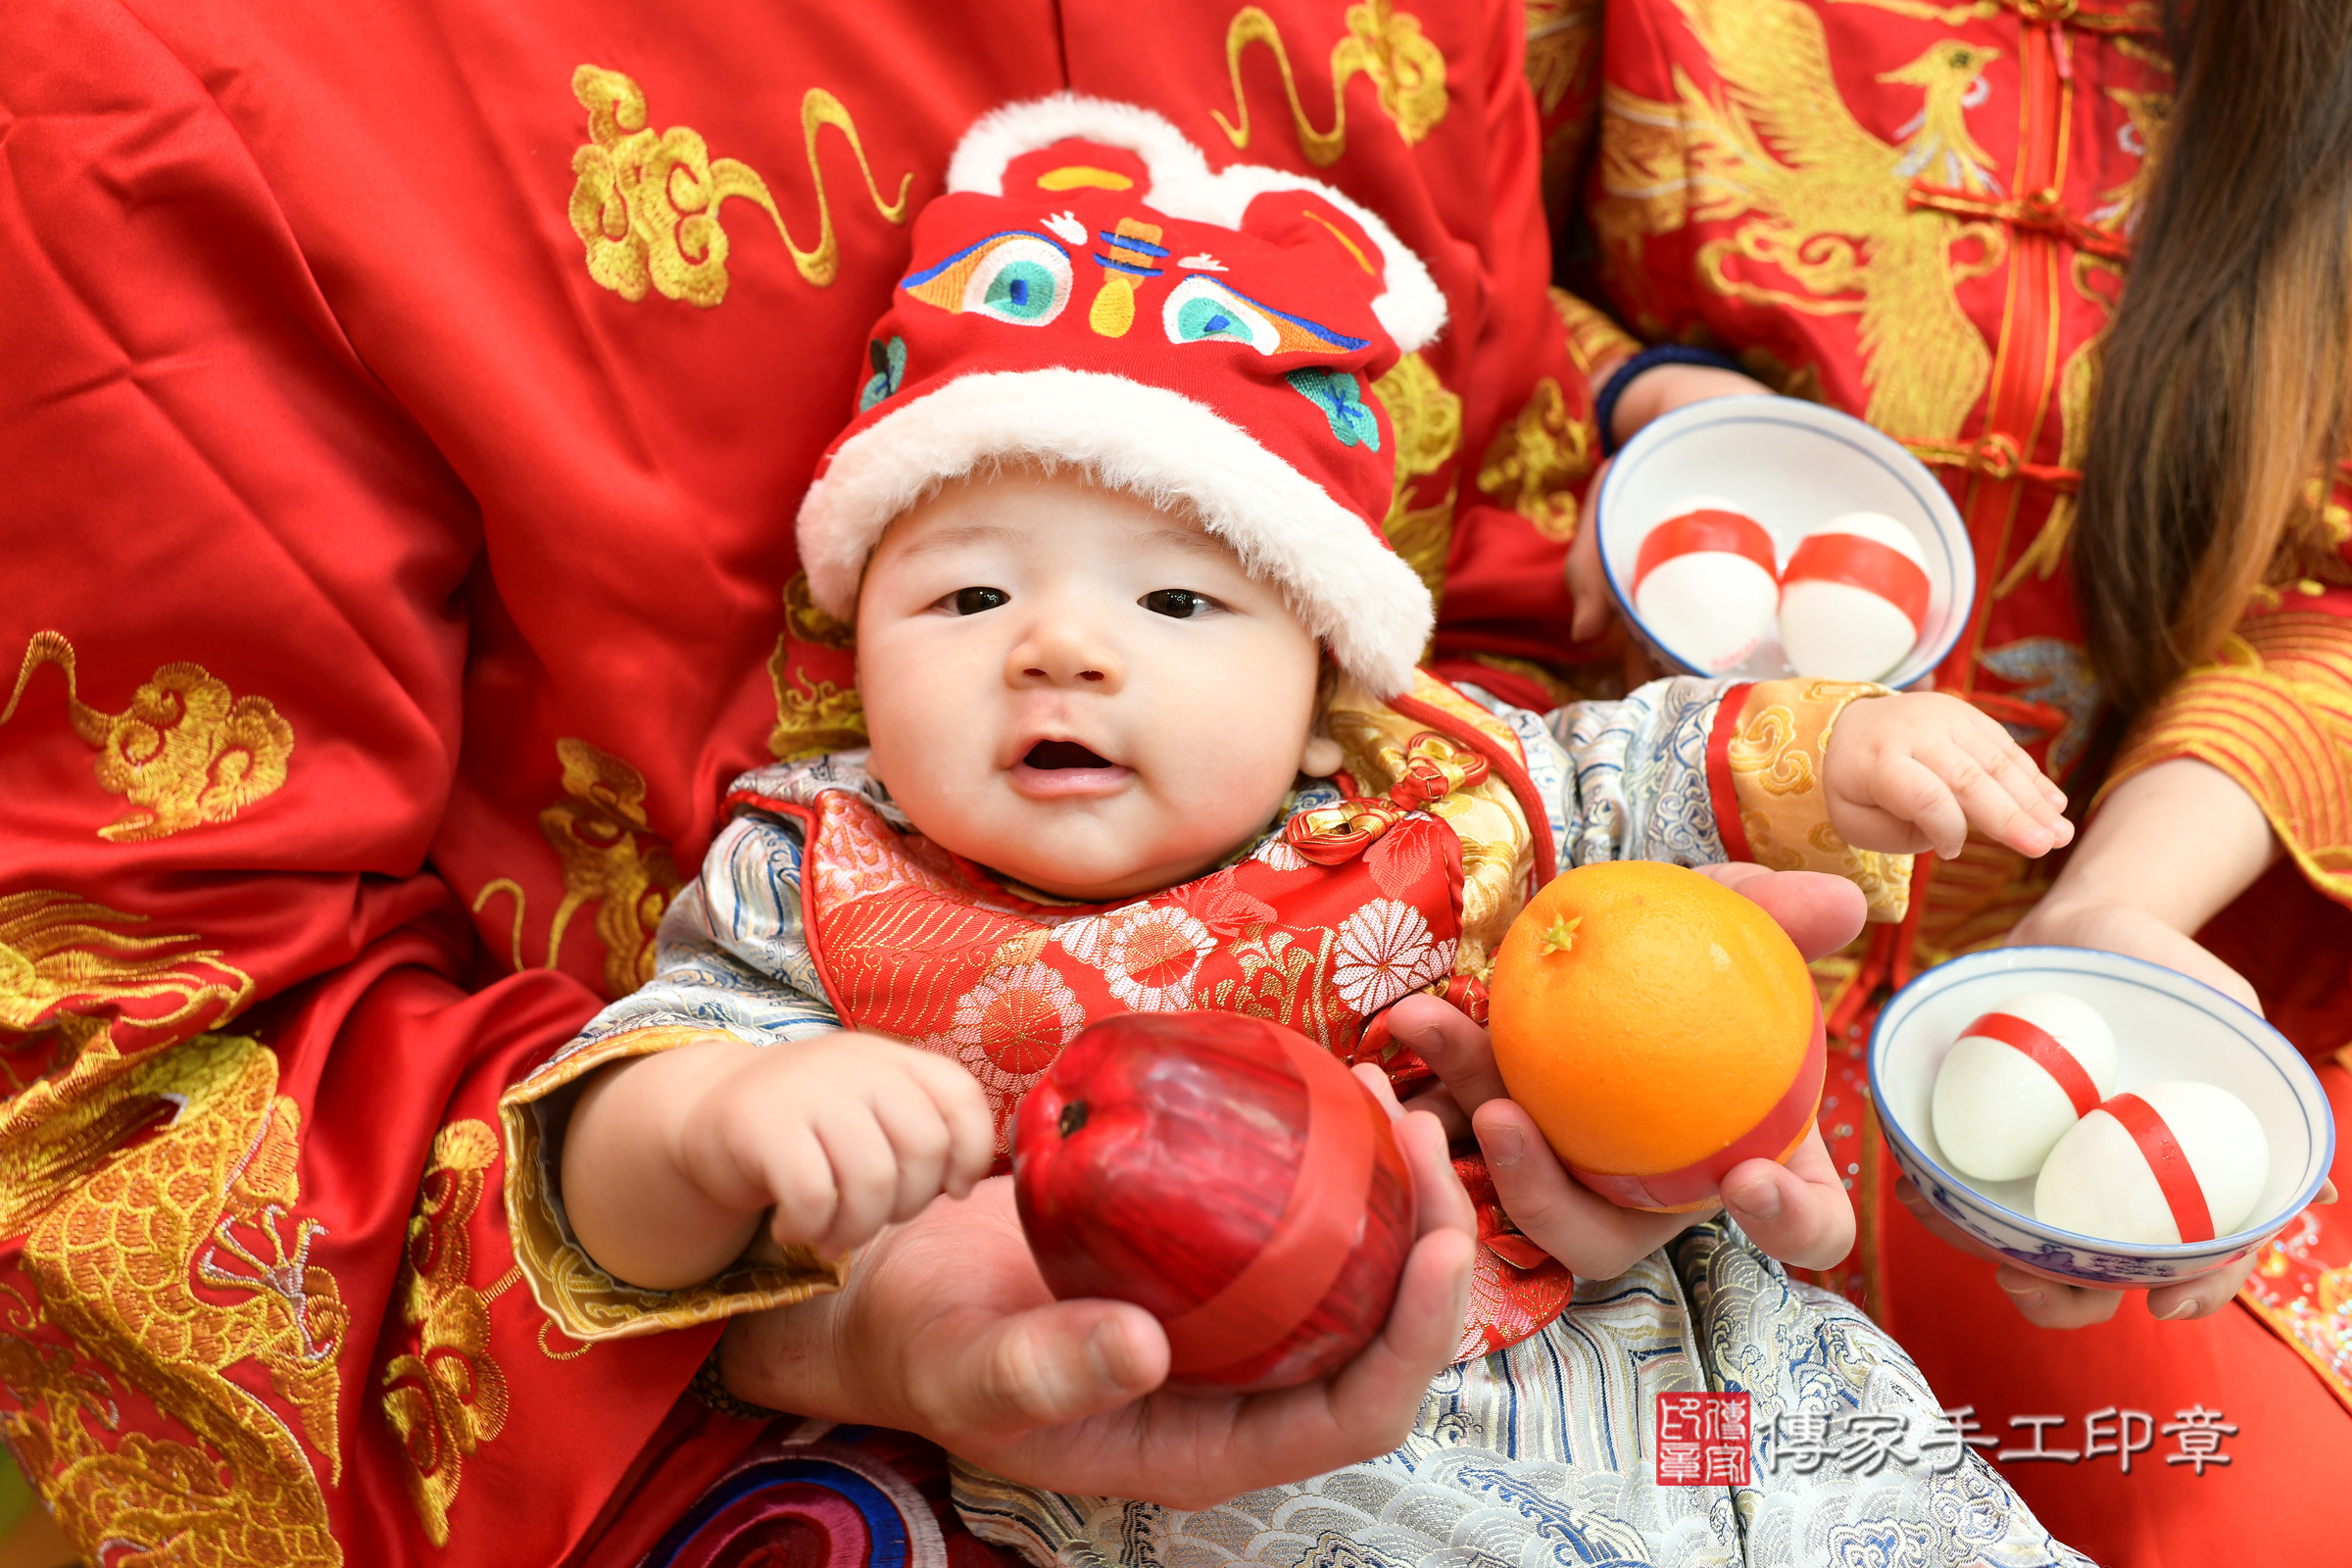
1228, 1177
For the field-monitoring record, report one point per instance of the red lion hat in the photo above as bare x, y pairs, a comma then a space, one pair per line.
1087, 293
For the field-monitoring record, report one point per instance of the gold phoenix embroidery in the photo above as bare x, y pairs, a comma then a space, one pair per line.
647, 206
116, 1248
1428, 421
1828, 198
184, 752
1407, 73
598, 832
447, 1398
1534, 462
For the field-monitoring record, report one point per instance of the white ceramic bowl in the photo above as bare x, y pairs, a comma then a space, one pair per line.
2166, 1026
1792, 465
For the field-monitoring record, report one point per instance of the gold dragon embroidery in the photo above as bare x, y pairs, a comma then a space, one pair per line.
68, 970
1428, 421
184, 752
445, 1396
1407, 70
646, 206
1534, 462
117, 1246
1824, 199
813, 717
599, 834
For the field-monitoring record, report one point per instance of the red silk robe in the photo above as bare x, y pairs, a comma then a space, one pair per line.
1923, 215
405, 410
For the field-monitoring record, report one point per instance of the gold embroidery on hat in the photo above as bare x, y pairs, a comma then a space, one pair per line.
1083, 176
1407, 72
1113, 309
646, 206
184, 752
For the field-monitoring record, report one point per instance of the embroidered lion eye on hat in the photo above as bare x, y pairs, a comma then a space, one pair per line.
1087, 293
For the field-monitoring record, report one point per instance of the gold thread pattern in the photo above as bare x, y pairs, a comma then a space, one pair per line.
1534, 462
67, 966
1825, 202
1407, 70
1593, 339
1776, 751
586, 1304
115, 1244
183, 754
647, 206
599, 834
2273, 711
445, 1396
1428, 421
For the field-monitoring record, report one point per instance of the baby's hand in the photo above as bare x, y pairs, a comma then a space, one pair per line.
1918, 769
842, 1134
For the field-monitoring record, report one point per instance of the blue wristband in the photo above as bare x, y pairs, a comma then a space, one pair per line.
1604, 409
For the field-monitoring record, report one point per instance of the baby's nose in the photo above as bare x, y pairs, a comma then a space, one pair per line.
1066, 654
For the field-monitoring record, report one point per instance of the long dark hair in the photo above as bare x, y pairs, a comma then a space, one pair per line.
2223, 389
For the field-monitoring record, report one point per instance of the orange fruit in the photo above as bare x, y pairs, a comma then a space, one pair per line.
1658, 1027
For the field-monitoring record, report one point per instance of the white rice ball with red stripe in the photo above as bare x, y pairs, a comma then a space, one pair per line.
2017, 1079
2163, 1163
1853, 598
1704, 584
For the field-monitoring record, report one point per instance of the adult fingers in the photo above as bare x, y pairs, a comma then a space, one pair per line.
1438, 1200
2044, 1300
1588, 585
2048, 1304
1039, 1368
1456, 1050
1799, 1212
1590, 1235
2207, 1294
1820, 912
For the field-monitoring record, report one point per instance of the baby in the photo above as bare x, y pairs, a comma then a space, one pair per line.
1137, 668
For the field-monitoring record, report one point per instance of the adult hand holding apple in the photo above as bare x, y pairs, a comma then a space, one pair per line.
946, 1329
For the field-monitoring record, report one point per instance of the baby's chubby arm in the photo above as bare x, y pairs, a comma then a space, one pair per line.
1916, 770
670, 1159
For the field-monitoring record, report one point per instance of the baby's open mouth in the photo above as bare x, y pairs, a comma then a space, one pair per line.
1045, 756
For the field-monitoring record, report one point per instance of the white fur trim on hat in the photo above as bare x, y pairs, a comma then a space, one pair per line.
1351, 591
1412, 309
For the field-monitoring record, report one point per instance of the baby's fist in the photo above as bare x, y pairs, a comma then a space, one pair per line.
841, 1134
1916, 770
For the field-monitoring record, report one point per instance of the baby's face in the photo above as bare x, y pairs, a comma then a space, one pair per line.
1077, 689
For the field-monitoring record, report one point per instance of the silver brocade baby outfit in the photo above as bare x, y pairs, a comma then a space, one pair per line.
1543, 1444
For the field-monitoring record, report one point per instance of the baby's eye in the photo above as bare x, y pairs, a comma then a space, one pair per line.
972, 601
1180, 603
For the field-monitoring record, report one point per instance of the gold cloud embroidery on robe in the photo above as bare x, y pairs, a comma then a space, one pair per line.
1534, 462
598, 832
1428, 421
647, 206
116, 1245
186, 752
445, 1396
1829, 199
1407, 73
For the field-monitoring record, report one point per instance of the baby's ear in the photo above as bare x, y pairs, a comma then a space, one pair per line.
1348, 242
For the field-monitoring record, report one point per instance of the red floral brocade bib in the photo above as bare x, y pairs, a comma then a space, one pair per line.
1406, 885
